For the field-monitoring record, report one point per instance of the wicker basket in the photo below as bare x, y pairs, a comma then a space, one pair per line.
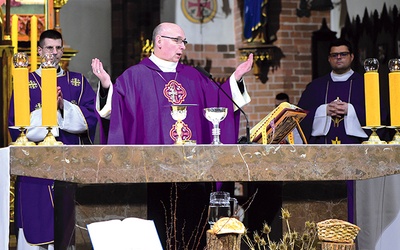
334, 230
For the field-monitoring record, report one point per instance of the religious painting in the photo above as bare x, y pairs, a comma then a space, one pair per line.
25, 9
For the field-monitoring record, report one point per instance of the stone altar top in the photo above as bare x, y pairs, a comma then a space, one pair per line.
203, 163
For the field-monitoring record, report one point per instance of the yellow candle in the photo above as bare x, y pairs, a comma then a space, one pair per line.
49, 97
33, 43
372, 102
14, 33
21, 97
394, 98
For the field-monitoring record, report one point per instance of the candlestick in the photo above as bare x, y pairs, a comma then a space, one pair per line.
14, 33
371, 83
21, 97
33, 43
394, 98
49, 98
21, 90
372, 101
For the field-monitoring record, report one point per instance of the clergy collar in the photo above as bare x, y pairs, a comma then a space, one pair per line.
341, 77
165, 66
60, 71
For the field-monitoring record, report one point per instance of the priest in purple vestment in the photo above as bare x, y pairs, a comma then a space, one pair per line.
336, 105
76, 125
138, 109
335, 101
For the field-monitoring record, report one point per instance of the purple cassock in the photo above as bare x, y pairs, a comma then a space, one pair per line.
142, 99
141, 114
34, 199
323, 91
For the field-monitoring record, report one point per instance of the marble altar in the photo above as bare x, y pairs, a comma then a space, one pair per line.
203, 163
113, 164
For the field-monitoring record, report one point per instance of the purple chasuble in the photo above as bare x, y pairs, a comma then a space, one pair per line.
141, 114
141, 106
323, 91
34, 211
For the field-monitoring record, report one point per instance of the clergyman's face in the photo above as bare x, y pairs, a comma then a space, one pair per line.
340, 59
170, 43
53, 46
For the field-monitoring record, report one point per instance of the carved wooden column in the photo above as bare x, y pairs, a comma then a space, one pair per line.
58, 4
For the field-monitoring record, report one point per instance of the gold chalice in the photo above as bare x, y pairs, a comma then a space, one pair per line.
178, 113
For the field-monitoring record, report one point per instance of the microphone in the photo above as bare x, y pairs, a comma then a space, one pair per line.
242, 140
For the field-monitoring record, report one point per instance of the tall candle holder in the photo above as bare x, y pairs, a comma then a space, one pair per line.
372, 101
49, 98
394, 98
21, 98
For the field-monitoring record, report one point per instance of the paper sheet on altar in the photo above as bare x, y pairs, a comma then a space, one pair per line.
129, 233
4, 197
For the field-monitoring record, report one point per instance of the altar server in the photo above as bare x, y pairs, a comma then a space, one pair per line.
76, 125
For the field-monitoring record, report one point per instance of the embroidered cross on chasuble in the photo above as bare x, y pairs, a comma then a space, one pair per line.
176, 94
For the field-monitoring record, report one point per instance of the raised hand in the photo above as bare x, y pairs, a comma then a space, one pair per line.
244, 67
98, 70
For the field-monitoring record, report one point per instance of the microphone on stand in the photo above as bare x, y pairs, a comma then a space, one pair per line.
241, 140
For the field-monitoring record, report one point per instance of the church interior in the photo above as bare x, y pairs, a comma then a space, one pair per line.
289, 47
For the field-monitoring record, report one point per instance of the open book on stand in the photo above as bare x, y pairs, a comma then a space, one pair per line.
276, 126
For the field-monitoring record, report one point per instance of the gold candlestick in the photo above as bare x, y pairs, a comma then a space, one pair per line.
21, 98
372, 104
374, 137
396, 137
22, 140
49, 98
50, 140
394, 93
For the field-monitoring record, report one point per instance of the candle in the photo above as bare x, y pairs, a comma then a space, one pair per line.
49, 97
33, 43
14, 33
21, 97
372, 104
394, 97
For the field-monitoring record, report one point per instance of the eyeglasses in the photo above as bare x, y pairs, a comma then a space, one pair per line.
178, 40
51, 48
341, 54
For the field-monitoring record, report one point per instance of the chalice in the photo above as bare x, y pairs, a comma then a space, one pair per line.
178, 113
215, 116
